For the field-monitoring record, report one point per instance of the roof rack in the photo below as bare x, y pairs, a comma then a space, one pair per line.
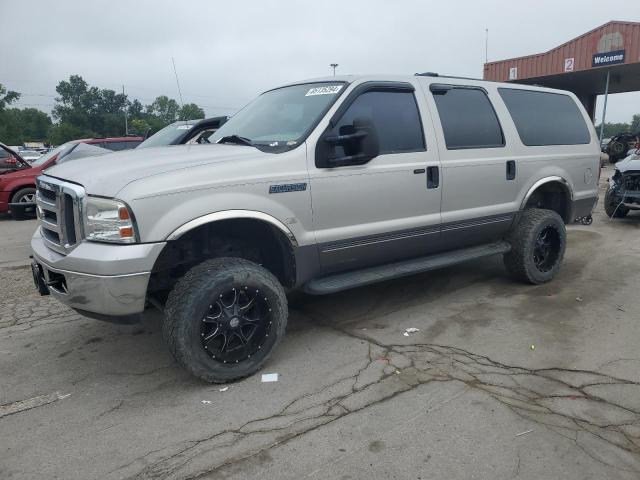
434, 74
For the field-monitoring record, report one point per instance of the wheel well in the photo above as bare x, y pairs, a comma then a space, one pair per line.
17, 189
251, 239
552, 196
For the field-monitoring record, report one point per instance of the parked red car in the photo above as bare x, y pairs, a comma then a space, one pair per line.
18, 182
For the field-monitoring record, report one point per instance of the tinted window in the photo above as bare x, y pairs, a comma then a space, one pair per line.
395, 116
116, 146
545, 118
468, 119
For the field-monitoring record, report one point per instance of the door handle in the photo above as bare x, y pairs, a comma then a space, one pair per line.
433, 177
511, 169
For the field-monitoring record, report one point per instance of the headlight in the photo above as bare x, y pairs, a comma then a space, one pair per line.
108, 220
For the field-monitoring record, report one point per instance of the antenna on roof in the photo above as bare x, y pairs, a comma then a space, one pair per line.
178, 83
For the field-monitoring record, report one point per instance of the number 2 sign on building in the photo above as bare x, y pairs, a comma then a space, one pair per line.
568, 64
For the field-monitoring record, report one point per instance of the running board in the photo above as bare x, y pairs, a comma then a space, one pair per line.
367, 276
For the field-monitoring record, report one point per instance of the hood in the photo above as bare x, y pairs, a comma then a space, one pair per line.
106, 175
632, 162
20, 172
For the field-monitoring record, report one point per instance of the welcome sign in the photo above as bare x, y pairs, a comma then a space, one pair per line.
609, 58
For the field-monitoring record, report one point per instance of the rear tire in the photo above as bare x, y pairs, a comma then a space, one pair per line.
538, 241
612, 206
224, 318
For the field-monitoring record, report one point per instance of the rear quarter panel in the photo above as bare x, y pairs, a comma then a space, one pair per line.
579, 164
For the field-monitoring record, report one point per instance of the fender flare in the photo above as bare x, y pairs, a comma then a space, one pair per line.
230, 215
542, 181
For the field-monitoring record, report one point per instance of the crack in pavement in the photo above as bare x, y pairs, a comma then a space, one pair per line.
580, 405
30, 403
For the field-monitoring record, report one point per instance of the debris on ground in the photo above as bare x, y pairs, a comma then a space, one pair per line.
533, 347
621, 309
224, 389
269, 377
410, 330
522, 433
206, 402
578, 299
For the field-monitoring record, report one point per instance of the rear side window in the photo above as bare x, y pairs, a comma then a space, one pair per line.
395, 116
467, 117
544, 118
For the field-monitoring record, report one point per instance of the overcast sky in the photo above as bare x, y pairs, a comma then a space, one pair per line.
228, 52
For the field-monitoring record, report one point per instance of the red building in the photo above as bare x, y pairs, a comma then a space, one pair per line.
582, 65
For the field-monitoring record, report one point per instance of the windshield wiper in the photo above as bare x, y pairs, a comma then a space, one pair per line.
236, 139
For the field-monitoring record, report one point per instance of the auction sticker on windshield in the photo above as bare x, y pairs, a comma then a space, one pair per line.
328, 90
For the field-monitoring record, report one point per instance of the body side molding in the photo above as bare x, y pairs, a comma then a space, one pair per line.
229, 215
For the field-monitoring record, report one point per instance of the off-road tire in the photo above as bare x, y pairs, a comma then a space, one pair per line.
189, 300
612, 208
519, 262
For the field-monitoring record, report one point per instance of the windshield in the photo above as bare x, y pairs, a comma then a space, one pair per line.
167, 135
281, 117
49, 155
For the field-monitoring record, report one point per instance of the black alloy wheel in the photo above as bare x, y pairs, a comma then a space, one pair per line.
236, 324
546, 249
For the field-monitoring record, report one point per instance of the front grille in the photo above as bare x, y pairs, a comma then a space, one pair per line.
631, 181
59, 207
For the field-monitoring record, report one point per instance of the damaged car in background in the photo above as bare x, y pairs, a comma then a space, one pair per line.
623, 193
17, 179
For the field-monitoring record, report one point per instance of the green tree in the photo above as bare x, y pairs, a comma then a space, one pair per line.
139, 126
190, 111
99, 112
63, 132
7, 97
164, 109
135, 109
27, 125
635, 124
613, 129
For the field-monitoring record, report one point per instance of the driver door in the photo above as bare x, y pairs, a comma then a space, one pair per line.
388, 208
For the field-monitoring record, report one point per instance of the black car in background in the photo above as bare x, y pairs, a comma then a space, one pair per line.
184, 131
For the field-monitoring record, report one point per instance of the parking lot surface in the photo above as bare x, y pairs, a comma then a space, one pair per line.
502, 380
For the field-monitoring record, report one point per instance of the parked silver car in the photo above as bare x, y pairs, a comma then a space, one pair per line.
323, 185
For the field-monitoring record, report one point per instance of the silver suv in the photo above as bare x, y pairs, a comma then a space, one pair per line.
322, 185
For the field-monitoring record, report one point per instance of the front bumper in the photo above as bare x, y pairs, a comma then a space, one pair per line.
99, 279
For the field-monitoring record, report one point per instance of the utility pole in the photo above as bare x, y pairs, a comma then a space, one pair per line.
333, 65
486, 45
126, 122
604, 109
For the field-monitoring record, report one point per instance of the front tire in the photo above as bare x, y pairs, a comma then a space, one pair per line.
224, 318
538, 241
612, 204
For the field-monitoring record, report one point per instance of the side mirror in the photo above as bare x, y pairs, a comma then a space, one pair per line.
359, 143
